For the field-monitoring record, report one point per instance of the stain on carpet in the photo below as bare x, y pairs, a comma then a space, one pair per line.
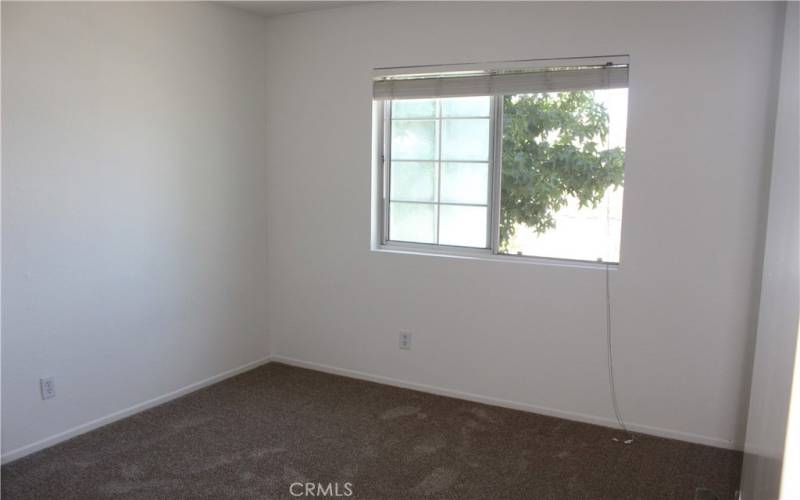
439, 480
400, 411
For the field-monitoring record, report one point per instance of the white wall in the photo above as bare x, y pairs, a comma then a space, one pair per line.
773, 366
133, 213
531, 335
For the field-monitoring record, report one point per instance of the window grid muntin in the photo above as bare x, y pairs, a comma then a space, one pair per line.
446, 203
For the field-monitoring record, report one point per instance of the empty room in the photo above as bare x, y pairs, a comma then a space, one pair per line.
400, 250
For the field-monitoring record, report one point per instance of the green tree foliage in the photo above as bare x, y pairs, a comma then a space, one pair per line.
553, 149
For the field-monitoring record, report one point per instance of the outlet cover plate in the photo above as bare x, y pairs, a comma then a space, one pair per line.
48, 387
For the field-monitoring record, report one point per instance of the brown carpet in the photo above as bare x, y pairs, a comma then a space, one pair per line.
253, 435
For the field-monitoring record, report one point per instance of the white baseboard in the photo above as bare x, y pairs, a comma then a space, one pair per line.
568, 415
99, 422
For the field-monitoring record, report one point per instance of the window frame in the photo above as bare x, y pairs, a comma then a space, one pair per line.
492, 196
383, 117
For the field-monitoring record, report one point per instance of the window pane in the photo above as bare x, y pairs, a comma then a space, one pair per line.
413, 181
414, 108
466, 106
415, 222
414, 140
465, 139
462, 226
562, 174
465, 182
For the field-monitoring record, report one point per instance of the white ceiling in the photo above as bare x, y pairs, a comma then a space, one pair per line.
269, 9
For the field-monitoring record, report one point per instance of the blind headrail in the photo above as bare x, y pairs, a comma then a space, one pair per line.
474, 83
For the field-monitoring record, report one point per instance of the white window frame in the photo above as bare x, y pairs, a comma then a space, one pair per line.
383, 119
492, 197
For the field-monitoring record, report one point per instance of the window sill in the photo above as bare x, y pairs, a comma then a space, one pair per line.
487, 256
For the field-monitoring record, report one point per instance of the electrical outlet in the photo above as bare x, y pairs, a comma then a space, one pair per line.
405, 340
48, 387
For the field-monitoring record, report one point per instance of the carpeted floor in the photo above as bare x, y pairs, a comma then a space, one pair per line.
254, 435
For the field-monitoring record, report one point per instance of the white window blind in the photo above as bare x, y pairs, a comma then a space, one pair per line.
501, 82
